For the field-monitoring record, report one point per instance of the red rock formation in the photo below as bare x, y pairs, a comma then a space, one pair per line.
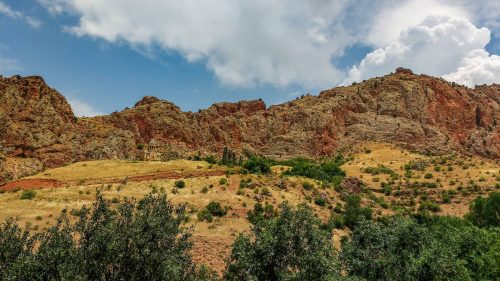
417, 112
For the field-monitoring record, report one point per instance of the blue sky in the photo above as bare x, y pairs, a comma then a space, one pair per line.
101, 66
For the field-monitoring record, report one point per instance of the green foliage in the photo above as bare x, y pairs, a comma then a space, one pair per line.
258, 165
293, 246
180, 184
428, 176
429, 206
260, 213
213, 209
380, 169
223, 181
438, 248
416, 165
28, 195
132, 241
354, 213
320, 201
229, 157
485, 211
307, 185
329, 171
205, 215
210, 159
216, 209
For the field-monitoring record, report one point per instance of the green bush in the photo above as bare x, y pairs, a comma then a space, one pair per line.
428, 176
27, 194
307, 185
132, 241
216, 209
429, 206
329, 171
180, 184
485, 211
257, 165
205, 215
320, 201
354, 213
223, 181
293, 246
425, 248
260, 213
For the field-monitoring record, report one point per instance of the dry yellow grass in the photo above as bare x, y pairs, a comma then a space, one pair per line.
212, 240
103, 169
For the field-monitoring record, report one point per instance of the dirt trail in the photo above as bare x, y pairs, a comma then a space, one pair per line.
53, 183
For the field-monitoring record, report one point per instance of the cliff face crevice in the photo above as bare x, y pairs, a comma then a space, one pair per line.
417, 112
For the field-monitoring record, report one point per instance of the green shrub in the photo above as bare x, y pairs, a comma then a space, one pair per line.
293, 246
261, 213
216, 209
103, 243
257, 165
485, 211
320, 201
28, 195
329, 171
307, 185
205, 215
428, 176
180, 184
223, 181
115, 200
424, 248
429, 206
204, 190
354, 213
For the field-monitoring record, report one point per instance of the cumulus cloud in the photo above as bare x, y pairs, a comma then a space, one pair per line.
9, 12
437, 46
82, 109
286, 42
478, 67
242, 42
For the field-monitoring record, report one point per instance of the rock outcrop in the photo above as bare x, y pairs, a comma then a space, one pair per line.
417, 112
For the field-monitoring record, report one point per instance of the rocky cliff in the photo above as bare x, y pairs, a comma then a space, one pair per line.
418, 112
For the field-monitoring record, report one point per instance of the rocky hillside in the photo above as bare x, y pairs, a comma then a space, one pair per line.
417, 112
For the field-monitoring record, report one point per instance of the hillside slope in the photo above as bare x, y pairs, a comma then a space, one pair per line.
417, 112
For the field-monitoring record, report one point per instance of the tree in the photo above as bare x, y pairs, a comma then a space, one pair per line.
485, 211
257, 165
425, 248
293, 246
135, 241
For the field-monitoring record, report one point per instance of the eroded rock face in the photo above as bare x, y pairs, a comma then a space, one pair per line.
417, 112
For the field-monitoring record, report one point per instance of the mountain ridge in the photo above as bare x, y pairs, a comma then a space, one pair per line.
38, 128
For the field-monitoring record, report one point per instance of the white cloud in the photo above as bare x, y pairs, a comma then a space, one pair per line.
437, 46
9, 12
286, 42
477, 68
394, 19
81, 108
243, 43
8, 65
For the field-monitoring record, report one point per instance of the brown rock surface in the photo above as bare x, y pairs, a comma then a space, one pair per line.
417, 112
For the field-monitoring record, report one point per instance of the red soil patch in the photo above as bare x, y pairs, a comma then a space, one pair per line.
31, 184
51, 183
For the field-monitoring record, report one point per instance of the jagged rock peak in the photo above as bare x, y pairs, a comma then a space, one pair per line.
402, 70
147, 100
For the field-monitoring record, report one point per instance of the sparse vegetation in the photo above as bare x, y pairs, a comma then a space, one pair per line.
180, 184
27, 195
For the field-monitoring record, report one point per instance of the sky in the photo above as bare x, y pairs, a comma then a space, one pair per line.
106, 55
